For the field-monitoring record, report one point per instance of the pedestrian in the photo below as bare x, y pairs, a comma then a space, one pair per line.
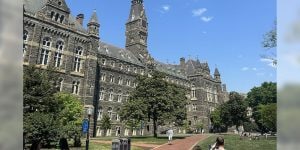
219, 145
170, 135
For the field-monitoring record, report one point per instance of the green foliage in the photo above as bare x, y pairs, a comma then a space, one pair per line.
39, 88
270, 42
70, 116
43, 127
216, 119
265, 94
270, 38
233, 112
155, 99
267, 116
250, 126
48, 115
105, 123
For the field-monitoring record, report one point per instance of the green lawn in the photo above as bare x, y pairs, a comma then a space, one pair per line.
145, 139
97, 146
233, 142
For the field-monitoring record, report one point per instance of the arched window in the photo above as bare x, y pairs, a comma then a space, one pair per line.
56, 17
77, 61
103, 77
120, 80
100, 113
25, 36
111, 78
52, 15
45, 51
111, 96
58, 53
75, 87
109, 111
120, 96
47, 42
61, 83
62, 17
25, 39
101, 94
117, 114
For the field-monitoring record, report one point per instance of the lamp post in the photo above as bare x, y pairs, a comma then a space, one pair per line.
89, 113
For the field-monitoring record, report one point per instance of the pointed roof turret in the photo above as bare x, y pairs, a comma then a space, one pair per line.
217, 73
94, 18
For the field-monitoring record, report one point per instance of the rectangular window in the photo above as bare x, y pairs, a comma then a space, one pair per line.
103, 77
77, 64
120, 98
111, 78
57, 59
44, 56
75, 87
120, 81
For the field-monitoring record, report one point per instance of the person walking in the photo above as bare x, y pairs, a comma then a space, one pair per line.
170, 135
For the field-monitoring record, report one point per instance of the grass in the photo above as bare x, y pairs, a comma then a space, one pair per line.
145, 139
97, 146
233, 142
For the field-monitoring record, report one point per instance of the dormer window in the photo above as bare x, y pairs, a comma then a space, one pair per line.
62, 18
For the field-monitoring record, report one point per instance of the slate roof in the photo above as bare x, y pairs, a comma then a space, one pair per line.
170, 69
33, 6
118, 53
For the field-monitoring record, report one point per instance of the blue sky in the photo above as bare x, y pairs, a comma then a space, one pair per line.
226, 34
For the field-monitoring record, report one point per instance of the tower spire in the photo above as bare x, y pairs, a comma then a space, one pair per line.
93, 25
137, 31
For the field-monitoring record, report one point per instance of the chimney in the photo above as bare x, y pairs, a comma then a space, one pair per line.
80, 18
182, 65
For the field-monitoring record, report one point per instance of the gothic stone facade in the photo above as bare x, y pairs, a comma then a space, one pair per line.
53, 37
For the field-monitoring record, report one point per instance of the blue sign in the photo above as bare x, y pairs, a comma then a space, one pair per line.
85, 125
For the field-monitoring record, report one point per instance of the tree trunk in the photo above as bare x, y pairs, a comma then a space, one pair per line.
77, 142
155, 127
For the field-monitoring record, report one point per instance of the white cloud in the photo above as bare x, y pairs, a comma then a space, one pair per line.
260, 74
206, 19
269, 62
245, 68
199, 12
166, 8
254, 69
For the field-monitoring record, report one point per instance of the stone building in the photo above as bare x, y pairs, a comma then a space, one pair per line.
103, 75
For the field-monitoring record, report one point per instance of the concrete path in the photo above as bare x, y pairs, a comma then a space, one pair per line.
183, 144
139, 144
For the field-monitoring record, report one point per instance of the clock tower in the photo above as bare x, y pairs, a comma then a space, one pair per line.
137, 31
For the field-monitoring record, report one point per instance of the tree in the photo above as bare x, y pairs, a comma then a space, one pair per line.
234, 111
264, 95
270, 42
40, 106
39, 88
41, 127
157, 100
105, 123
70, 116
267, 116
48, 114
216, 119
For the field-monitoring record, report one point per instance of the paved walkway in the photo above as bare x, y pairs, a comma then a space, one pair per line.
183, 144
139, 144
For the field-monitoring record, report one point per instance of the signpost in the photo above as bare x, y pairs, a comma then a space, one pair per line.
85, 126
